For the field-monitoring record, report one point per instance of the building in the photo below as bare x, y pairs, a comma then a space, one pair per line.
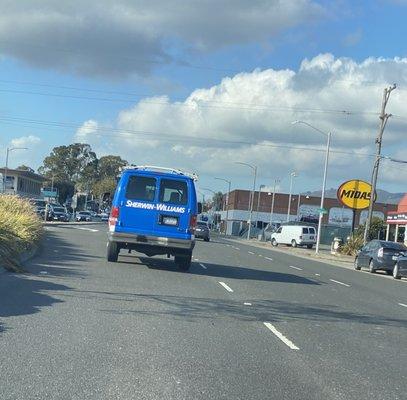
303, 208
21, 182
397, 223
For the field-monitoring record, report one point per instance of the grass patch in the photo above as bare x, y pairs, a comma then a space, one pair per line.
20, 229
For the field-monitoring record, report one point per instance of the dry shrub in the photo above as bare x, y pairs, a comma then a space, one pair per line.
352, 246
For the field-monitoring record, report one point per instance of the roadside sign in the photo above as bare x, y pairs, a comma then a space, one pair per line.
355, 194
49, 193
322, 210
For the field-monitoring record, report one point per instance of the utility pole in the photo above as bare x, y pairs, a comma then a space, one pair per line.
276, 181
292, 175
383, 122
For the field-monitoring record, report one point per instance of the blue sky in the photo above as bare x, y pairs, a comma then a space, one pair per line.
127, 54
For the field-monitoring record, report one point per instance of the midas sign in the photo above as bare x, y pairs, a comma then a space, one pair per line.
355, 194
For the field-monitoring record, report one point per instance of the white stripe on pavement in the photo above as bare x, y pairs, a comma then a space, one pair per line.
237, 248
250, 252
226, 287
268, 258
203, 266
285, 340
339, 283
85, 229
260, 255
403, 305
247, 304
297, 268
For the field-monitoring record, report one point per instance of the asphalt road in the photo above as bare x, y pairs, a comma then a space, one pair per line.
244, 323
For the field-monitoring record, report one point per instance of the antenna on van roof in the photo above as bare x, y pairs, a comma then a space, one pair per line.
161, 169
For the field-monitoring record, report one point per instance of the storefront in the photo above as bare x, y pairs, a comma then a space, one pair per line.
397, 223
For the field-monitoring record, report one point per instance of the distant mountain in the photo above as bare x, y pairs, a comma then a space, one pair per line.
383, 195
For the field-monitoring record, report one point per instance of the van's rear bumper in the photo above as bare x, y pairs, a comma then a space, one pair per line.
159, 241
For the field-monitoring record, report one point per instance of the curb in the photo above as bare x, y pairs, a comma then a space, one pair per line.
21, 258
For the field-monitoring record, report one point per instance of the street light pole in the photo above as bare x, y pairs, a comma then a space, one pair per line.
254, 168
227, 201
328, 145
276, 181
292, 175
8, 151
258, 203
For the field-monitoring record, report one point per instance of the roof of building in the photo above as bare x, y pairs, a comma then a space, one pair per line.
402, 206
24, 173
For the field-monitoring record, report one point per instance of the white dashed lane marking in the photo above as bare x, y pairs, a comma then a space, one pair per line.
285, 340
403, 305
247, 304
203, 266
339, 283
229, 289
268, 258
297, 268
250, 252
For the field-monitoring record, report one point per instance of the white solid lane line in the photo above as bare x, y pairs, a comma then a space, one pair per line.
85, 229
403, 305
260, 255
250, 252
317, 275
297, 268
268, 258
339, 283
202, 265
229, 289
285, 340
237, 248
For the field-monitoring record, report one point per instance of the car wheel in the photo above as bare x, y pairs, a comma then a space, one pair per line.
371, 267
183, 262
293, 243
396, 272
112, 251
309, 246
356, 264
274, 242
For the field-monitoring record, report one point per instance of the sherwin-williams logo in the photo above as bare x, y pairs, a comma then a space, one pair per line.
355, 194
158, 207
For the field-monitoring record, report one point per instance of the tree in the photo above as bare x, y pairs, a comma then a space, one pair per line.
25, 168
109, 166
73, 163
217, 201
106, 185
377, 225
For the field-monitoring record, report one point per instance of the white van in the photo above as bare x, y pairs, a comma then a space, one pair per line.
295, 235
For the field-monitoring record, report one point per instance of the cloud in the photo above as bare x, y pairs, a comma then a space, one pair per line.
248, 118
25, 141
87, 129
122, 37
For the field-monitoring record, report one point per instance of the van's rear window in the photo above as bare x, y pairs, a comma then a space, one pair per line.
141, 188
173, 191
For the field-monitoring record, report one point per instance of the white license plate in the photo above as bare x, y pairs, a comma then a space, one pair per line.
170, 221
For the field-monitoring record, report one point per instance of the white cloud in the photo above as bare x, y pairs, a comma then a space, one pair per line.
87, 129
25, 141
248, 118
121, 37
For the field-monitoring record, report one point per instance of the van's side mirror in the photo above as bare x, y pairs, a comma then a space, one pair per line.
199, 208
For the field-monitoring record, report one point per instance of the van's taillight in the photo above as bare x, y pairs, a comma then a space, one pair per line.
380, 252
192, 223
114, 215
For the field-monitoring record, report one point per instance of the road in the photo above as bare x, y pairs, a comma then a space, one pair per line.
244, 323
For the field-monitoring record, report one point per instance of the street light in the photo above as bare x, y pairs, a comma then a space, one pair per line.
9, 150
328, 144
227, 201
276, 182
254, 168
258, 203
292, 176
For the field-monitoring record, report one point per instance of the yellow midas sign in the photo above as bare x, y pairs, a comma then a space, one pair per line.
355, 194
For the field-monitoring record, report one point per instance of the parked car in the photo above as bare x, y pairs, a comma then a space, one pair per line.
379, 255
154, 211
58, 213
83, 216
104, 217
400, 267
202, 231
295, 235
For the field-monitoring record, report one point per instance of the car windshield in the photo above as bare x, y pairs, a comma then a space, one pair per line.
59, 209
202, 224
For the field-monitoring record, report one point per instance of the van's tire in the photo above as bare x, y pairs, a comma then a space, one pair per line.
371, 267
310, 246
396, 272
183, 262
356, 264
112, 251
274, 242
293, 243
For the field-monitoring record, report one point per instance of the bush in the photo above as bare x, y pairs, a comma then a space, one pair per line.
20, 227
353, 245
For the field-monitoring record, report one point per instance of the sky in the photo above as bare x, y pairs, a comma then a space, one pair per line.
203, 85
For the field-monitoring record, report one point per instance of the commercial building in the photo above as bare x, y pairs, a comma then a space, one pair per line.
303, 208
397, 223
21, 182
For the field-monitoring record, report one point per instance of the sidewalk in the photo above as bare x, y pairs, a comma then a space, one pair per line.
323, 256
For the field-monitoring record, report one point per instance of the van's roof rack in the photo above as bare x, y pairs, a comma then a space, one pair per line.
161, 169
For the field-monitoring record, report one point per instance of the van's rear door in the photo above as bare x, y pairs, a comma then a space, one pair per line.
137, 207
308, 235
173, 208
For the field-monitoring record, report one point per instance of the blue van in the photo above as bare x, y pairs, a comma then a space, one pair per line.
154, 211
